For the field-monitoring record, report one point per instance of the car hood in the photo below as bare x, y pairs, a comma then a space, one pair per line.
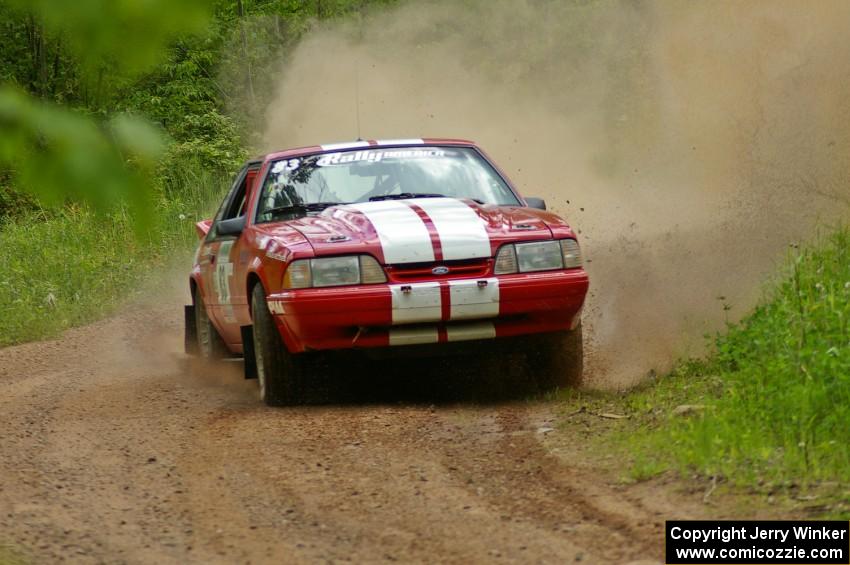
423, 229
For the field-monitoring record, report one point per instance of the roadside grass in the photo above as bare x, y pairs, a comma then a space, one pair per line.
10, 556
70, 266
768, 412
781, 409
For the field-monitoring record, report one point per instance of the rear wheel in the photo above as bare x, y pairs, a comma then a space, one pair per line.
210, 344
281, 375
556, 359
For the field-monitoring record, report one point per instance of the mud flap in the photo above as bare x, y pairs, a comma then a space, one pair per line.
190, 330
248, 351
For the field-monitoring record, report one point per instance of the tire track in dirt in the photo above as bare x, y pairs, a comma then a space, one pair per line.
557, 496
364, 483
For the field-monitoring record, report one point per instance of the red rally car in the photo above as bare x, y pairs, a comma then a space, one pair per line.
382, 244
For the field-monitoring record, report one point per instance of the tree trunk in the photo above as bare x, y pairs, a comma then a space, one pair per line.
57, 67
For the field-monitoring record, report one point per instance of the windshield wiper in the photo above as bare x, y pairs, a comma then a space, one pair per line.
306, 207
405, 195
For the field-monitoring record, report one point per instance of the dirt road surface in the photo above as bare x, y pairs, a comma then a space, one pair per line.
114, 448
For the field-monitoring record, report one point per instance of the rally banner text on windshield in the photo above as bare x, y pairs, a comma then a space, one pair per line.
376, 155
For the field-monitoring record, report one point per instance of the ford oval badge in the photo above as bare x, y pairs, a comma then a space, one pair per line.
441, 270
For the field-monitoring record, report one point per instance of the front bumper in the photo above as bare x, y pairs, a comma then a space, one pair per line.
429, 312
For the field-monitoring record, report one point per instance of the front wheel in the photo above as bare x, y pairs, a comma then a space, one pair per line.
281, 375
556, 360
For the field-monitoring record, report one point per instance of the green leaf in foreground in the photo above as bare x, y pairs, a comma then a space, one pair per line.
57, 155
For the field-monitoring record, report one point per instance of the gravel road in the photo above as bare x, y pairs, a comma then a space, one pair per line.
115, 448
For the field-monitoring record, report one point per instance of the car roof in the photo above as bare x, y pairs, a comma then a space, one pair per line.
364, 143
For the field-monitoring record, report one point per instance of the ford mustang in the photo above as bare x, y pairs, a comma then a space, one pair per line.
382, 245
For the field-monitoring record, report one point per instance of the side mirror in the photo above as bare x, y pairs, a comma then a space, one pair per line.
203, 228
533, 202
233, 226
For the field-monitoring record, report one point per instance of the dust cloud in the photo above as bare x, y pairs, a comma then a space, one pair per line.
690, 143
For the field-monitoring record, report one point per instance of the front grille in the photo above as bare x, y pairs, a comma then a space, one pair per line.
424, 271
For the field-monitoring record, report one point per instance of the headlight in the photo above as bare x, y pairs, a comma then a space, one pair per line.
543, 256
333, 271
537, 256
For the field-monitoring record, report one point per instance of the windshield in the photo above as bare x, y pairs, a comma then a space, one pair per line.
313, 182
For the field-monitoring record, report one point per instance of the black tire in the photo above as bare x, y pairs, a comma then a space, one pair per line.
210, 344
556, 359
281, 375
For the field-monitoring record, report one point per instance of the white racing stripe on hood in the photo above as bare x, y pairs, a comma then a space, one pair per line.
404, 236
462, 232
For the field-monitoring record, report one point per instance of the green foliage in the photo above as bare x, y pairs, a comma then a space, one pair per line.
76, 266
10, 556
184, 99
56, 154
775, 399
119, 38
12, 202
56, 270
89, 55
35, 60
59, 154
785, 411
191, 187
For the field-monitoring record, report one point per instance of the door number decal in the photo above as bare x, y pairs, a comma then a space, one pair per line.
223, 272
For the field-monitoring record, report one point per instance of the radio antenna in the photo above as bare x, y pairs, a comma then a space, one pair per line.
357, 96
357, 74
